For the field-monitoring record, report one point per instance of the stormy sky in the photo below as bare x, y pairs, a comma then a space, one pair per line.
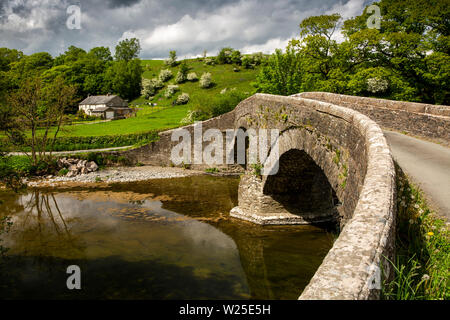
187, 26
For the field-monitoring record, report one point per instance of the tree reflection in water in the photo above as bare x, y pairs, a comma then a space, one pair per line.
42, 219
131, 245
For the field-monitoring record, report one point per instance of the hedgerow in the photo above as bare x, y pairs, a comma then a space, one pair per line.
98, 142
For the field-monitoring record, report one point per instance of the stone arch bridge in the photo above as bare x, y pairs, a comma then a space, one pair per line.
334, 164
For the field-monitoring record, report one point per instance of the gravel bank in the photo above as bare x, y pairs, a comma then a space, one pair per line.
117, 175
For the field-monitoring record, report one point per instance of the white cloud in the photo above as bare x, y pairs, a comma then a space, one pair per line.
267, 47
189, 27
349, 9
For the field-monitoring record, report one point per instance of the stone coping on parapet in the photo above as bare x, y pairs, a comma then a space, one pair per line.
415, 107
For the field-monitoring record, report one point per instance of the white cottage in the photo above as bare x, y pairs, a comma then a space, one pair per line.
106, 107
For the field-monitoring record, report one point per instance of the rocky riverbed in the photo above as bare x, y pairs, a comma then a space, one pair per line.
116, 175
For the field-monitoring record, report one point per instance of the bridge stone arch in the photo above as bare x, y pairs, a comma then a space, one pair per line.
328, 142
351, 151
303, 190
299, 185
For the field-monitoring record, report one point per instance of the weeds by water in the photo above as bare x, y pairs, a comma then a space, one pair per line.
422, 248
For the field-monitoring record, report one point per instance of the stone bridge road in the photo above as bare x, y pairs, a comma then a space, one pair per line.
428, 164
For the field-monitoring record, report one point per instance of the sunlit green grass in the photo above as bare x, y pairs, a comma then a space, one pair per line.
146, 120
165, 115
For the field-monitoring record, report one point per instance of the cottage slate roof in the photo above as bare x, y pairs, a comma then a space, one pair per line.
111, 100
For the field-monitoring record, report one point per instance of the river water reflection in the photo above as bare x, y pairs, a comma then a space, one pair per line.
159, 239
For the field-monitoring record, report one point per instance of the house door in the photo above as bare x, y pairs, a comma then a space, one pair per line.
109, 114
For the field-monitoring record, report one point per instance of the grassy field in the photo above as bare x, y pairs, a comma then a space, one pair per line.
148, 118
164, 115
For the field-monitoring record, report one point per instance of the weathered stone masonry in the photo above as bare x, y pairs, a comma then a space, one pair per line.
367, 196
423, 120
329, 141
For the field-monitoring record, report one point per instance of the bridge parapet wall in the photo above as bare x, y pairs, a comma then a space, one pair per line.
369, 202
424, 120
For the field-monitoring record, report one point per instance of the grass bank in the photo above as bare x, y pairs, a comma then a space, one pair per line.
422, 261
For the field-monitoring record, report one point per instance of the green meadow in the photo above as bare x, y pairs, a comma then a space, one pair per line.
165, 115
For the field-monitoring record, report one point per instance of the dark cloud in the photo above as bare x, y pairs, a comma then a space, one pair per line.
121, 3
21, 10
186, 26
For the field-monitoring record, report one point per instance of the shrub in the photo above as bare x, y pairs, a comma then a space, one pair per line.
158, 84
224, 56
183, 98
259, 58
165, 75
373, 81
21, 165
182, 73
96, 157
81, 115
192, 76
228, 56
123, 160
180, 78
146, 89
376, 85
236, 57
205, 80
210, 61
253, 60
226, 102
257, 169
171, 89
205, 107
63, 172
184, 69
9, 175
172, 60
151, 87
97, 142
247, 62
190, 117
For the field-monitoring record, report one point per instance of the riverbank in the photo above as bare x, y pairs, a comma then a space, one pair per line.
115, 175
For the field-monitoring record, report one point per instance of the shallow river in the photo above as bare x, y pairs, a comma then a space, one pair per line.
160, 239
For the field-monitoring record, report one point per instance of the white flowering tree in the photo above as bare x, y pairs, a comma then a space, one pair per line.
377, 85
170, 91
205, 80
183, 98
192, 76
165, 75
